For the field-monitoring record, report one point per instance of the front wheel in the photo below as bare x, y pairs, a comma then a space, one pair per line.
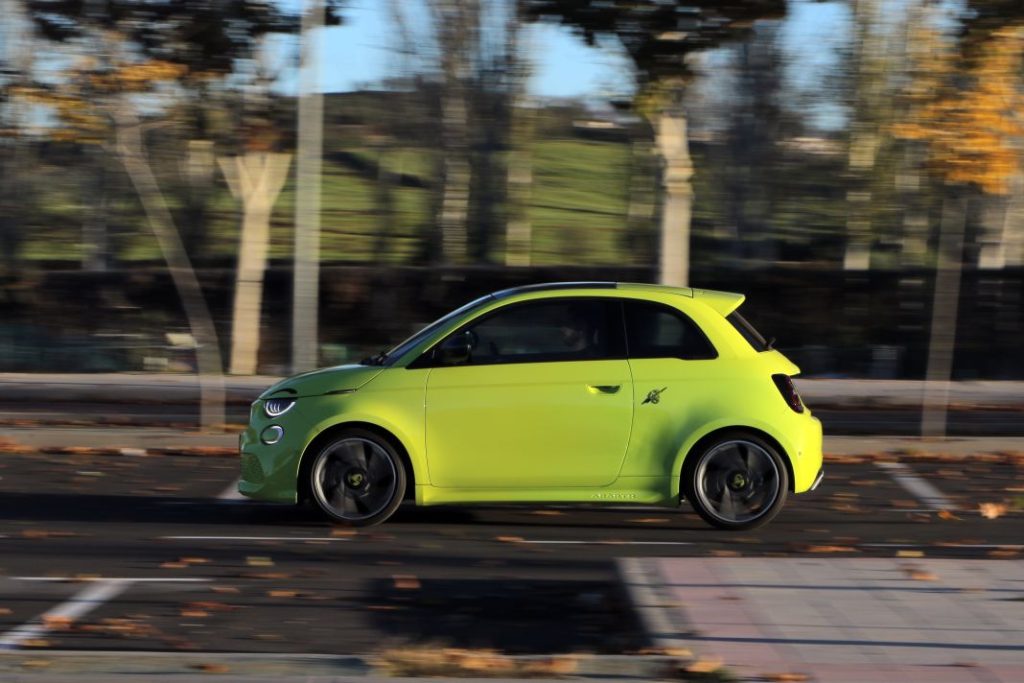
358, 479
737, 481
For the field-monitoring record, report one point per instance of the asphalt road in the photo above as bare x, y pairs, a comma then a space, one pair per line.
141, 553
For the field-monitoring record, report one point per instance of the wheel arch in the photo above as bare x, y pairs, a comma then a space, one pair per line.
331, 432
695, 445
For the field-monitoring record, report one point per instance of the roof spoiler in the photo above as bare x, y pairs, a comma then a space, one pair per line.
722, 302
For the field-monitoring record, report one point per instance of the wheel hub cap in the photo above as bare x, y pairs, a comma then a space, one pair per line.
738, 481
356, 478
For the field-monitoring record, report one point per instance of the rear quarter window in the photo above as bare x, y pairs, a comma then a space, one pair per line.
658, 331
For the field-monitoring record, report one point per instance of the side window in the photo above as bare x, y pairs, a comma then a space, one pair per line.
656, 331
549, 330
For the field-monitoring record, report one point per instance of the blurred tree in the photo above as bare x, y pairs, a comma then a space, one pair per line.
16, 58
869, 111
658, 36
968, 117
456, 28
158, 49
518, 231
756, 127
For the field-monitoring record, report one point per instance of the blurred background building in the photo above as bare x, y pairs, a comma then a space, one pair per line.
853, 166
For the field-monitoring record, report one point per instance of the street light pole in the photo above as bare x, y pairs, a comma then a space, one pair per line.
309, 153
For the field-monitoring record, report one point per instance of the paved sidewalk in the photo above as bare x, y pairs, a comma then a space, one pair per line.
839, 620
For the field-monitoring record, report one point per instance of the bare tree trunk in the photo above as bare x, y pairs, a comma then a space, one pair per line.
255, 179
677, 205
456, 26
95, 241
309, 162
132, 152
518, 231
456, 177
944, 316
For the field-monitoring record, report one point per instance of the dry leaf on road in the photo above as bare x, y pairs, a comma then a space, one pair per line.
992, 510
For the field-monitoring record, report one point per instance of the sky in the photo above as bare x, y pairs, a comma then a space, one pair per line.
359, 52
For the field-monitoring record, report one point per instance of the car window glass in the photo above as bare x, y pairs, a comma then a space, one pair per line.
559, 330
655, 331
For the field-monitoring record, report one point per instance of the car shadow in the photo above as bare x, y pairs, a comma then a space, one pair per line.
177, 510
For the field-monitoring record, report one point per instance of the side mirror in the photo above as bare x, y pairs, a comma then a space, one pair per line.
456, 350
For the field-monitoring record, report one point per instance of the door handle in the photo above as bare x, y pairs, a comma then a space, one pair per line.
604, 388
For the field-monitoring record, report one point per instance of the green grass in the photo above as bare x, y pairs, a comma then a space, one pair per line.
577, 209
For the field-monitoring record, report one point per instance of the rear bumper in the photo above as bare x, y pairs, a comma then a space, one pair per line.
805, 454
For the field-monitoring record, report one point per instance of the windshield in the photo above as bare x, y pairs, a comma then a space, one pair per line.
398, 351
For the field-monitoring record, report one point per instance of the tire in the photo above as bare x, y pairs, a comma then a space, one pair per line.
736, 481
357, 479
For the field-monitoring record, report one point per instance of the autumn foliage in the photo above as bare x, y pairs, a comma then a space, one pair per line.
969, 118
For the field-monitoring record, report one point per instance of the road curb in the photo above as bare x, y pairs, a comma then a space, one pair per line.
131, 666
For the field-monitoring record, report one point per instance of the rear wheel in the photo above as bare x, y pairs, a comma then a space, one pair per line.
736, 481
358, 478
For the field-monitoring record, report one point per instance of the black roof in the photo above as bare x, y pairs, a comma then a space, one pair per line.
547, 286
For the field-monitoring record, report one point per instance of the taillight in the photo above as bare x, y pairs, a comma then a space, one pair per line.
788, 391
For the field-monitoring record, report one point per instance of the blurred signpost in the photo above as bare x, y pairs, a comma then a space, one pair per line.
309, 158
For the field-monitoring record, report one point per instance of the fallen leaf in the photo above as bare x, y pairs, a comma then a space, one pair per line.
35, 642
509, 539
406, 582
910, 553
282, 593
173, 565
264, 575
704, 666
649, 520
259, 561
992, 510
947, 515
786, 677
547, 513
36, 663
830, 549
343, 532
57, 622
4, 611
556, 666
194, 560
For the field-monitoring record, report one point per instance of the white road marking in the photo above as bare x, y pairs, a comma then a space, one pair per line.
100, 579
231, 492
81, 603
944, 545
916, 486
254, 538
544, 542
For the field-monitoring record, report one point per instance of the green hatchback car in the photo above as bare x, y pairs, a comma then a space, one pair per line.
585, 392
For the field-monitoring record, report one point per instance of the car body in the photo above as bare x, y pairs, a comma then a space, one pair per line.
564, 392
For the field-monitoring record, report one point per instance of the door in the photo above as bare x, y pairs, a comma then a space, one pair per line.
544, 399
678, 384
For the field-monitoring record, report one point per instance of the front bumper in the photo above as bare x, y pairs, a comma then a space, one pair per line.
269, 472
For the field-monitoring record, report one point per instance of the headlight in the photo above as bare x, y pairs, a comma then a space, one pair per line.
276, 407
